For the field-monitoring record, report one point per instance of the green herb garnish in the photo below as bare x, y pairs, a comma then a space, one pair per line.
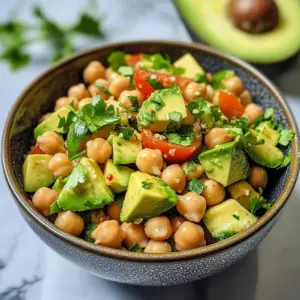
127, 71
134, 102
125, 132
103, 89
116, 60
79, 175
286, 161
157, 85
258, 202
146, 185
236, 217
196, 186
136, 248
286, 136
88, 233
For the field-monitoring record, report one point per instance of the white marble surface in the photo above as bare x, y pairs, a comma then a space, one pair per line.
31, 271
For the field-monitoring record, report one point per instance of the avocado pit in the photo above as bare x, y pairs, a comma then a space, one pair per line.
254, 16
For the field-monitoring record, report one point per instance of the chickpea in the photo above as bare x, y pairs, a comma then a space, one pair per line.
43, 198
194, 172
109, 234
60, 165
84, 102
134, 234
245, 98
174, 177
252, 112
214, 193
93, 71
192, 206
126, 102
69, 222
215, 99
210, 93
234, 85
118, 85
98, 216
258, 177
44, 117
103, 132
158, 247
113, 211
96, 91
78, 91
194, 90
217, 136
158, 228
189, 236
176, 222
150, 161
99, 149
64, 101
110, 74
51, 143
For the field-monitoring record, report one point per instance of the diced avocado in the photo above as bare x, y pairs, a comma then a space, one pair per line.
266, 132
117, 177
51, 123
242, 192
125, 151
36, 173
189, 63
225, 163
59, 184
147, 196
265, 154
227, 219
155, 111
91, 194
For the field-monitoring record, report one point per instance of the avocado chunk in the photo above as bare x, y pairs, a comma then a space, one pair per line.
227, 219
147, 196
242, 192
36, 173
225, 163
265, 154
59, 184
126, 151
266, 132
51, 123
155, 111
189, 63
91, 194
117, 177
273, 46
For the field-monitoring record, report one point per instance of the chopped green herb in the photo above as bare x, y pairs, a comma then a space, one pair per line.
258, 202
241, 123
103, 89
286, 161
78, 155
172, 243
236, 217
286, 136
127, 71
126, 132
178, 138
136, 248
146, 185
191, 166
120, 200
79, 175
134, 102
269, 113
196, 186
201, 78
116, 60
157, 85
219, 76
88, 233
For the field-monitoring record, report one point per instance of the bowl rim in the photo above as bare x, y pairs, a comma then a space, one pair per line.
27, 207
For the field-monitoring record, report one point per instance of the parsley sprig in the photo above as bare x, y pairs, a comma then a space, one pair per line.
196, 186
259, 202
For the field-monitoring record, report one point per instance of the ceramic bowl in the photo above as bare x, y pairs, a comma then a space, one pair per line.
124, 266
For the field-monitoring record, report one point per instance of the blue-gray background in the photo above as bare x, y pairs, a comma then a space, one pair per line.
29, 270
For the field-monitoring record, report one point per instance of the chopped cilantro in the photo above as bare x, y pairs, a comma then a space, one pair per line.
196, 186
157, 85
180, 139
103, 89
258, 202
201, 78
116, 59
79, 175
269, 113
191, 166
78, 155
120, 200
286, 136
88, 233
236, 217
127, 71
241, 123
134, 102
126, 132
146, 185
216, 82
136, 248
286, 161
172, 243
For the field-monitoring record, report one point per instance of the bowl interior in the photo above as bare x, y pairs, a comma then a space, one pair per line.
40, 97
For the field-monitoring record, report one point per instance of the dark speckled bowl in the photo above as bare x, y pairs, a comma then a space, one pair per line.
125, 266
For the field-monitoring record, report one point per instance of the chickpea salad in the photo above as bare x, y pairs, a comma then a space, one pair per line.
152, 156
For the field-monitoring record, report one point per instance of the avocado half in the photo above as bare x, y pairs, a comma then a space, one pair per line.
270, 51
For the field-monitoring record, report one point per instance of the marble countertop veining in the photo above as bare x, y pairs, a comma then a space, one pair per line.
31, 271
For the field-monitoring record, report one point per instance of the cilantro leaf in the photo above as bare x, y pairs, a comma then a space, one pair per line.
16, 57
241, 123
103, 89
219, 76
136, 248
78, 155
236, 217
201, 78
286, 161
157, 85
191, 166
88, 233
127, 71
196, 186
120, 200
134, 102
116, 59
286, 136
178, 138
79, 175
126, 132
269, 113
88, 25
146, 185
257, 203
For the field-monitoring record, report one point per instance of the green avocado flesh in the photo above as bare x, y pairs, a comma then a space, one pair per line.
227, 219
91, 194
154, 113
59, 184
225, 163
51, 123
147, 196
117, 177
190, 66
36, 173
125, 152
265, 154
209, 20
